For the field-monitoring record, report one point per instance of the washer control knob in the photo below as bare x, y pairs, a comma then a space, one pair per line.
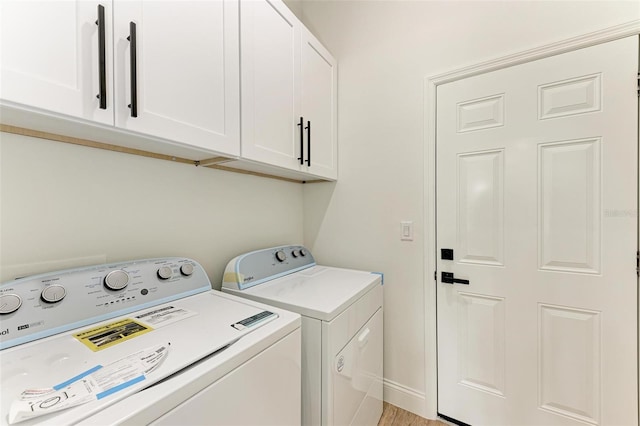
295, 253
303, 252
9, 303
165, 272
53, 293
186, 269
281, 256
116, 280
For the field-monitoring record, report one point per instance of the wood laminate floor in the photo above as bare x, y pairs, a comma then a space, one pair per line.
394, 416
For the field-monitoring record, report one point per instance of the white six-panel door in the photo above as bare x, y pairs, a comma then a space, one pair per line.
537, 197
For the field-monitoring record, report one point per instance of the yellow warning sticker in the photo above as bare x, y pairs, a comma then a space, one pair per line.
105, 336
232, 277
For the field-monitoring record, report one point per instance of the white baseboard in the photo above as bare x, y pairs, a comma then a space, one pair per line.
405, 397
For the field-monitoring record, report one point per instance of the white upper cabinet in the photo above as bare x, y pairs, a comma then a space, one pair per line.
288, 92
193, 79
270, 46
319, 83
183, 88
185, 83
50, 57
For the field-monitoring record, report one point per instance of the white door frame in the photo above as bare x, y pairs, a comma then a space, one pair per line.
429, 95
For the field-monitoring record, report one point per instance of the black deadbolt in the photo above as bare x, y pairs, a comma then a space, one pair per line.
446, 254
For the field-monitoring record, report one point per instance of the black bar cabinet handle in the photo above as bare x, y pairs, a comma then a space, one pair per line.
448, 278
301, 124
102, 57
308, 143
134, 69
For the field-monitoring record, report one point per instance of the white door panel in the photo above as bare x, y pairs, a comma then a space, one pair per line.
319, 75
63, 33
187, 71
270, 55
537, 164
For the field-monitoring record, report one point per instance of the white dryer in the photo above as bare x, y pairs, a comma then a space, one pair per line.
144, 342
342, 330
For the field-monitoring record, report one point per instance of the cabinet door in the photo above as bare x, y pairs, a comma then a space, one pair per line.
319, 82
50, 57
187, 71
270, 43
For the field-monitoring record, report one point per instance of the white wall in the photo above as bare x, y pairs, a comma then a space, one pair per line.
384, 50
64, 205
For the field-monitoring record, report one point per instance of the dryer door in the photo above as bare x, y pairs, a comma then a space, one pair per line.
357, 377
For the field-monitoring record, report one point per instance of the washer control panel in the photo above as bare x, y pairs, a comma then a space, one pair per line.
264, 265
42, 305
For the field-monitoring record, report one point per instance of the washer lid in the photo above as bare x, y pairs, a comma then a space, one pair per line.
190, 329
320, 292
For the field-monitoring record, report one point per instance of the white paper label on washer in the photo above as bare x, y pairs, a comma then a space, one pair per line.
165, 316
91, 385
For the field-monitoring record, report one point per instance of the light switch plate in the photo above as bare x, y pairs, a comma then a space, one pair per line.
406, 230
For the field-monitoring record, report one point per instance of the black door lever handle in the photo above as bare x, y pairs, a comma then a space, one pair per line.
448, 278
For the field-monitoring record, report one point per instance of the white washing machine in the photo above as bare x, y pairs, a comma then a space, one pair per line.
342, 330
144, 342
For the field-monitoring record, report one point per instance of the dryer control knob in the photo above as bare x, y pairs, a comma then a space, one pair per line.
116, 280
295, 253
281, 256
303, 252
165, 272
9, 303
53, 293
186, 269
